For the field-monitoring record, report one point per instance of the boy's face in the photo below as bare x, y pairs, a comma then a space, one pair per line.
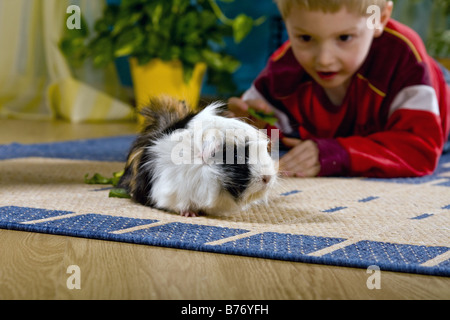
331, 47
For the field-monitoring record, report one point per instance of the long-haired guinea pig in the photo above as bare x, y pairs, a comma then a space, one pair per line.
197, 162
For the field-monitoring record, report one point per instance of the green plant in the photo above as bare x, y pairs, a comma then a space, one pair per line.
438, 42
431, 19
191, 31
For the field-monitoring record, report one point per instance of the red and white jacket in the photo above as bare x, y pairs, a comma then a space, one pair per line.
393, 122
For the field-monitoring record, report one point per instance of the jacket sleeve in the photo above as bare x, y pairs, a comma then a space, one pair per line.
409, 146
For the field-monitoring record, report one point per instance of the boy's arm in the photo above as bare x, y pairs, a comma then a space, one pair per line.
407, 150
409, 145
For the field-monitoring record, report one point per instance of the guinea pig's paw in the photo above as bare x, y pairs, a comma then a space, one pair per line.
189, 213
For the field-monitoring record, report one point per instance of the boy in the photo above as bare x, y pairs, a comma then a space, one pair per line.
352, 97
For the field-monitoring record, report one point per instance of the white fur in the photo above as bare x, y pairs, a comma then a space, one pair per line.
185, 178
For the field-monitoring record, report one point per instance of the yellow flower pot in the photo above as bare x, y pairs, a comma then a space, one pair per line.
445, 62
158, 77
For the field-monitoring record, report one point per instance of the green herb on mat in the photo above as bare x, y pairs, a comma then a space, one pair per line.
266, 117
119, 193
97, 178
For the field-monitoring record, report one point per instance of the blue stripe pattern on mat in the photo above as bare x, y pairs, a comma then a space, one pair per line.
273, 245
290, 193
102, 149
368, 199
281, 244
90, 223
21, 214
422, 216
444, 265
404, 257
183, 235
336, 209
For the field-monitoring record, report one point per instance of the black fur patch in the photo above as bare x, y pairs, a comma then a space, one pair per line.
143, 182
180, 124
237, 174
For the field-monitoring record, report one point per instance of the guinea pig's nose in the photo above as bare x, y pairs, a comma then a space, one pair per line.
266, 179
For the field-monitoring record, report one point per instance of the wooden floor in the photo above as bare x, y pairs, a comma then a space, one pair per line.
34, 266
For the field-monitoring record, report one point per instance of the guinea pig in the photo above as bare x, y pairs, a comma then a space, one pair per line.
196, 163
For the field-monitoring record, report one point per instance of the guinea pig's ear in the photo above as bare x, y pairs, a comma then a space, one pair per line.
212, 146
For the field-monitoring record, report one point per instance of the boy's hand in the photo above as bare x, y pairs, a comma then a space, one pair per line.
302, 160
238, 108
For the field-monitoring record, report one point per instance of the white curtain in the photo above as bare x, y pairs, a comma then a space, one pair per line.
36, 81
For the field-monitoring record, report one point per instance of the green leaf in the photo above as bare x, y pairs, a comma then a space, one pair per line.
266, 117
97, 178
191, 55
131, 3
156, 14
128, 42
207, 20
220, 62
101, 49
110, 15
242, 25
125, 21
230, 64
223, 81
101, 26
179, 6
116, 177
187, 27
175, 52
169, 53
75, 49
143, 58
153, 40
188, 71
119, 193
213, 59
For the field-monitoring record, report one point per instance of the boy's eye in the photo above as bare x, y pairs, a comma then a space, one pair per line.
345, 37
305, 38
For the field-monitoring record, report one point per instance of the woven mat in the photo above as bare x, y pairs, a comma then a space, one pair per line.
398, 224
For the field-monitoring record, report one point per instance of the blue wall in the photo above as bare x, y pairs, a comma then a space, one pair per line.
256, 48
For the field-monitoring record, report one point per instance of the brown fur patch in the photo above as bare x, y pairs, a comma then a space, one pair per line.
163, 111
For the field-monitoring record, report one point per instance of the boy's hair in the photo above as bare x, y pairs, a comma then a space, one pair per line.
354, 6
